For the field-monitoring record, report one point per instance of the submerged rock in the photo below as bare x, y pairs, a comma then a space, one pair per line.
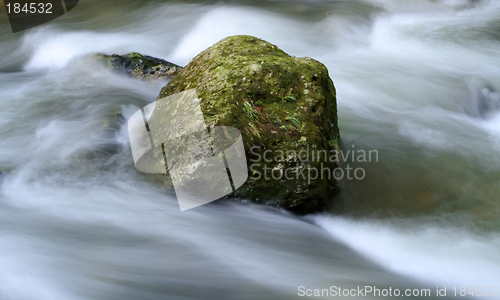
140, 66
285, 108
483, 102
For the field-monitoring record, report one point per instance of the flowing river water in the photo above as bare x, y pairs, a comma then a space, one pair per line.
416, 80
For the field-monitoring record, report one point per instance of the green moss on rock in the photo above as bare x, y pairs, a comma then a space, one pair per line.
278, 102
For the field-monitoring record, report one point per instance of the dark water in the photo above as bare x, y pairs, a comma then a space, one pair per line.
416, 80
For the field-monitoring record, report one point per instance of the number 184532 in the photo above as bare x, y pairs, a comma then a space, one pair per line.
479, 291
29, 8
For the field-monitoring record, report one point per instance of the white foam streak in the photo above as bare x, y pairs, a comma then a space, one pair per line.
54, 49
434, 254
223, 21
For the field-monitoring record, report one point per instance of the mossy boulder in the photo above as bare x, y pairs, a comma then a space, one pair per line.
140, 66
281, 104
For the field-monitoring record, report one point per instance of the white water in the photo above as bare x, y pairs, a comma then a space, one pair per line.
79, 222
440, 255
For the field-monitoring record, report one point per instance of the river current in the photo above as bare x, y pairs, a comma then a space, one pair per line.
416, 80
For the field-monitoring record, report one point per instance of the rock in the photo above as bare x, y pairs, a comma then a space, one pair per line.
483, 102
140, 66
282, 105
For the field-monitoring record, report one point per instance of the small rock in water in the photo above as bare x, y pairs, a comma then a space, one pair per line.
483, 102
140, 66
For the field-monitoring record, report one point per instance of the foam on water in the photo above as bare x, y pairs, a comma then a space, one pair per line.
437, 254
223, 21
